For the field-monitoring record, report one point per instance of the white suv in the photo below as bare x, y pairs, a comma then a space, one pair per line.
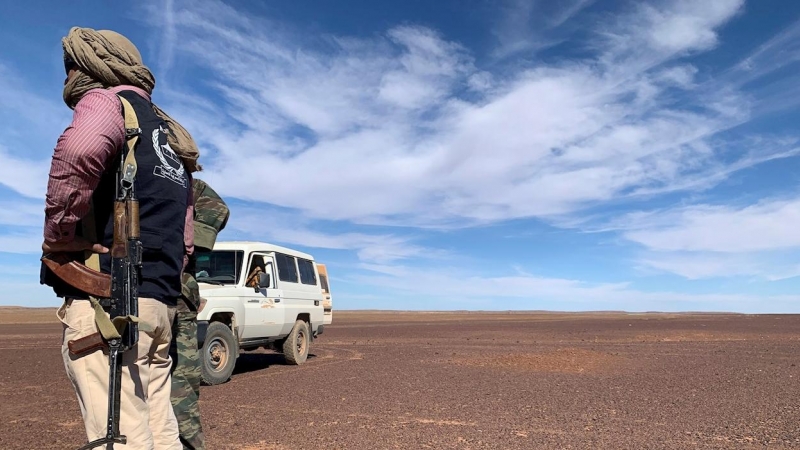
256, 295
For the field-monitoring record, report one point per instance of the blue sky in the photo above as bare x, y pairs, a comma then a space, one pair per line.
589, 155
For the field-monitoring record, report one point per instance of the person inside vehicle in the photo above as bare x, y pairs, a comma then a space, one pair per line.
256, 268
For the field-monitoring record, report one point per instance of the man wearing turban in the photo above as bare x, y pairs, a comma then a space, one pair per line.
101, 67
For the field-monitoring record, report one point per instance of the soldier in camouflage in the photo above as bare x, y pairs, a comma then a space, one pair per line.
210, 217
186, 370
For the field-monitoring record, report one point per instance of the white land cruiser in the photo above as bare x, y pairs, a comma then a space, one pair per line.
256, 295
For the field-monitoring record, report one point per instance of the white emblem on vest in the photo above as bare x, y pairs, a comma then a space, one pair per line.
171, 167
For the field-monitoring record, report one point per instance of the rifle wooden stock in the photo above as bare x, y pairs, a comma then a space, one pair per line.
78, 275
86, 344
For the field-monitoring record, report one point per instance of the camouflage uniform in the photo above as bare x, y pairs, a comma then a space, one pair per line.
210, 217
186, 373
210, 214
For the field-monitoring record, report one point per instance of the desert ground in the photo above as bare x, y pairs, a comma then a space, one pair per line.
395, 380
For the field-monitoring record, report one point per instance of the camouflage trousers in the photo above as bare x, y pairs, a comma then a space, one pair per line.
186, 375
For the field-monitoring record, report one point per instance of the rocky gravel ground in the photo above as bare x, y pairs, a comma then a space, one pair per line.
466, 381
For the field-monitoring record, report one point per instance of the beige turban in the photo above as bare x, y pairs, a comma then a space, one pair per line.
106, 59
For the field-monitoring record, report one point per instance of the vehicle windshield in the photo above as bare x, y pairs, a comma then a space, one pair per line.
219, 266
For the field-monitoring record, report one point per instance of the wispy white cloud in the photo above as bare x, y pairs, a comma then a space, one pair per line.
659, 31
705, 241
406, 128
25, 240
767, 225
21, 224
768, 72
169, 37
513, 30
524, 27
781, 51
22, 104
25, 176
377, 131
31, 125
702, 265
22, 213
685, 25
370, 248
567, 10
468, 290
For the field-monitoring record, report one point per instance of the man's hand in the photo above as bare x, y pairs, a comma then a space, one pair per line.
78, 244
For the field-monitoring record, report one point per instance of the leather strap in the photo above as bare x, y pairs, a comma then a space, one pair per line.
132, 132
112, 328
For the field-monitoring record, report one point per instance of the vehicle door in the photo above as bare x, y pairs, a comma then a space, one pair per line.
301, 292
263, 307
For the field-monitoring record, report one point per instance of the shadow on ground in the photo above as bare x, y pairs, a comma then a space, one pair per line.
252, 362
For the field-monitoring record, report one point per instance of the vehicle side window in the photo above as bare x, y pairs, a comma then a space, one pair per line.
287, 270
324, 281
307, 275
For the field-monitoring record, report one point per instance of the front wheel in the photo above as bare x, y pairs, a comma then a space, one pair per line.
295, 347
219, 354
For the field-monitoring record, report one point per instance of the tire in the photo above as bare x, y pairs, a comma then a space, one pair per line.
218, 355
295, 348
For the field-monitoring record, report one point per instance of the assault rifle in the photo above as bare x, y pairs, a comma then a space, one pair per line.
118, 291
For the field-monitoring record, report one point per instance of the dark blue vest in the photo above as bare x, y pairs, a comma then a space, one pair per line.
162, 188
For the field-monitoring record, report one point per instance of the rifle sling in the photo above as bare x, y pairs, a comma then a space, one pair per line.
132, 132
112, 328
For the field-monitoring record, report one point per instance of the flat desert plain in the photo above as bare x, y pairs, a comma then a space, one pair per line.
396, 380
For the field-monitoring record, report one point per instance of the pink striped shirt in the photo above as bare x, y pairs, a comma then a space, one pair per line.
82, 154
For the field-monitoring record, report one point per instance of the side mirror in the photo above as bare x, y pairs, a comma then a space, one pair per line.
263, 280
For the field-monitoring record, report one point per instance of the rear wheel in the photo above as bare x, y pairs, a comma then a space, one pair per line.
219, 354
296, 345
